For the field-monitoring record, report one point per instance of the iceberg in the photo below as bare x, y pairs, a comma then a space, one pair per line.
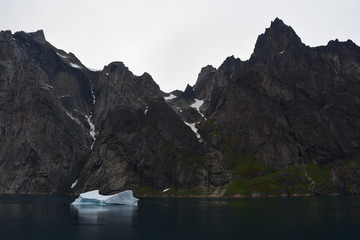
95, 198
125, 197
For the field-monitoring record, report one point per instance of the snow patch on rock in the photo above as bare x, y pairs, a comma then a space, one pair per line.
63, 96
92, 130
172, 96
60, 55
93, 69
71, 116
74, 184
46, 86
74, 65
92, 94
89, 118
194, 129
198, 103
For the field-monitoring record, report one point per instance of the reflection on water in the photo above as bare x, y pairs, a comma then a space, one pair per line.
41, 217
14, 208
103, 215
34, 217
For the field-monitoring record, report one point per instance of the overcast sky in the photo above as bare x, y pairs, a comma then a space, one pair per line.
173, 39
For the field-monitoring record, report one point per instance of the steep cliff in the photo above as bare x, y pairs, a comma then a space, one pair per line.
286, 121
141, 141
66, 129
288, 105
44, 101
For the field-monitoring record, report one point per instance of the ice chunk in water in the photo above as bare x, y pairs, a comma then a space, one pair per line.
125, 197
87, 201
94, 198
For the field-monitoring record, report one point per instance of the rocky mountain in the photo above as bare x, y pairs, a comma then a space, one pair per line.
141, 141
44, 104
110, 130
285, 117
289, 104
286, 121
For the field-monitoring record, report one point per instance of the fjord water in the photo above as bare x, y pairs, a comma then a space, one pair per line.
44, 217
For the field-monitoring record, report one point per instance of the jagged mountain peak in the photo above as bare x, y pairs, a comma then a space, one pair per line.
277, 39
277, 23
339, 44
115, 66
207, 69
37, 36
188, 93
230, 62
5, 35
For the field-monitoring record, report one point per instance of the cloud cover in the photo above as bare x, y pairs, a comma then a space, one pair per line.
173, 39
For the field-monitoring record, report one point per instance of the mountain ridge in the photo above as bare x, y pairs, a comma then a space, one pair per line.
273, 124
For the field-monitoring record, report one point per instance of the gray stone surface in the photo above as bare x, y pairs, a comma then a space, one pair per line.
288, 105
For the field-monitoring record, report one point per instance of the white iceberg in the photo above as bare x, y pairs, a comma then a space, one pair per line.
125, 197
95, 198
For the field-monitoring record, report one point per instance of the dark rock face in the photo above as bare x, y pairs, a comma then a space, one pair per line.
43, 143
288, 115
53, 108
276, 39
289, 104
141, 140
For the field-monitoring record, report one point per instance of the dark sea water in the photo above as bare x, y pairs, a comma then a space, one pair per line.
42, 217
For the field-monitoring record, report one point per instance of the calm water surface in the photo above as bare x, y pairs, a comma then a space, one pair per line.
34, 217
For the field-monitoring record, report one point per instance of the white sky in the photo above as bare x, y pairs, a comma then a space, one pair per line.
173, 39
